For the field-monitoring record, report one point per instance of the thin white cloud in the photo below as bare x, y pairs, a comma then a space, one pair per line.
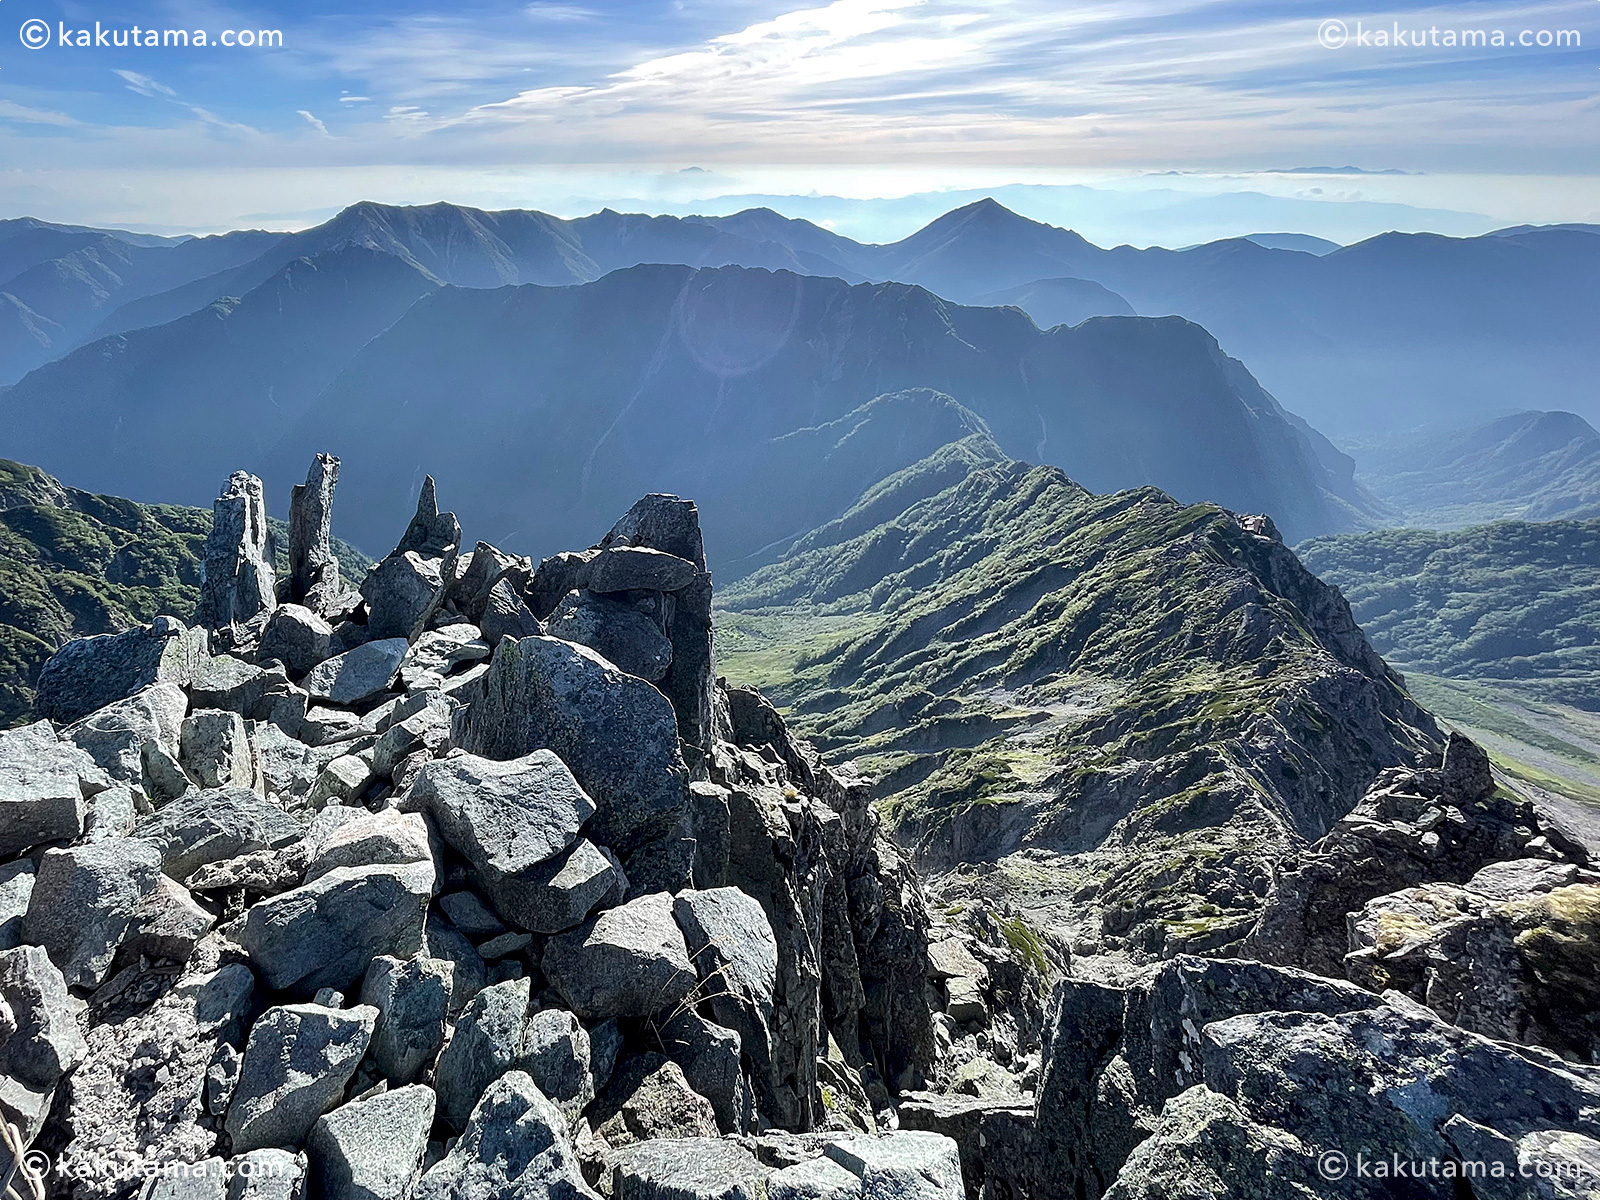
146, 86
312, 121
22, 114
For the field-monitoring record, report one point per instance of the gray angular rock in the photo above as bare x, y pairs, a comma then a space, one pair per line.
615, 630
45, 784
904, 1165
140, 1093
115, 736
440, 653
88, 674
16, 889
688, 1169
313, 570
515, 1147
443, 940
431, 533
504, 818
215, 750
427, 730
619, 568
649, 1098
46, 1043
485, 566
487, 1041
84, 899
559, 894
297, 637
112, 813
168, 923
506, 614
358, 675
615, 731
996, 1136
222, 1076
367, 839
399, 592
296, 1064
661, 522
605, 1046
412, 997
630, 961
556, 576
372, 1149
267, 1175
736, 958
343, 781
162, 775
211, 826
555, 1054
710, 1057
237, 578
470, 915
230, 683
325, 933
814, 1179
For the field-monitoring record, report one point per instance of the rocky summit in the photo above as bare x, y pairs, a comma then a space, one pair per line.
472, 878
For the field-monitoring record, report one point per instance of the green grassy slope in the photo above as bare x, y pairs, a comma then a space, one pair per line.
1117, 707
74, 564
1515, 602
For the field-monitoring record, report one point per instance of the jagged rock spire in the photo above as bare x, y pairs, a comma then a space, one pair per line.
313, 570
238, 580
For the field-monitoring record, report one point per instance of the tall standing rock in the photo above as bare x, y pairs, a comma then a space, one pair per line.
238, 580
671, 525
313, 570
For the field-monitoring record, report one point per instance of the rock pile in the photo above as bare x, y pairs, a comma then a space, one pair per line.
477, 882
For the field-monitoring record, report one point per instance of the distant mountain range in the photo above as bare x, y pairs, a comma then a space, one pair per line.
1537, 466
1389, 333
542, 409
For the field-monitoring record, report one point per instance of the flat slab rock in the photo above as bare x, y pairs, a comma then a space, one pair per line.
357, 675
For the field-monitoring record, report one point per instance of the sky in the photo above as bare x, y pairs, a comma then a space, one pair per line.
1136, 120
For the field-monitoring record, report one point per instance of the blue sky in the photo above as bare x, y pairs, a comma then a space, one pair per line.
567, 105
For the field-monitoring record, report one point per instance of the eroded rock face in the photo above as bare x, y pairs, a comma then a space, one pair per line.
238, 581
1440, 824
313, 571
295, 1068
44, 787
506, 818
141, 1089
325, 933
